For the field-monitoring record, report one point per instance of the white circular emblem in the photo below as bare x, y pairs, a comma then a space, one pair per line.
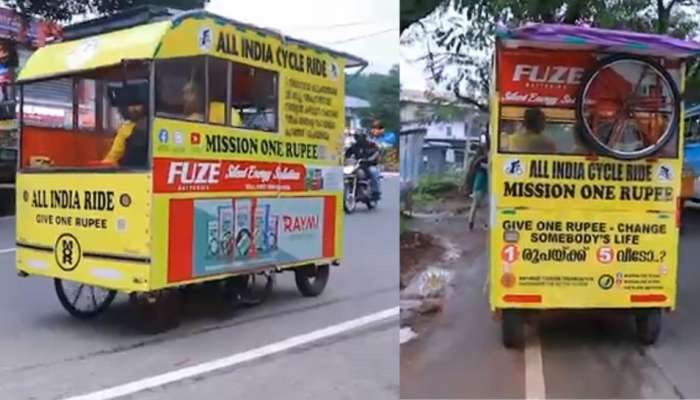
82, 53
205, 38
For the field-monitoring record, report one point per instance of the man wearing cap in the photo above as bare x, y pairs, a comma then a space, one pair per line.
130, 145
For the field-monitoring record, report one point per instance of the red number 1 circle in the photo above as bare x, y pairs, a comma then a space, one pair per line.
510, 253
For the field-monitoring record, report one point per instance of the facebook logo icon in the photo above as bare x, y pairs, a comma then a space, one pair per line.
163, 136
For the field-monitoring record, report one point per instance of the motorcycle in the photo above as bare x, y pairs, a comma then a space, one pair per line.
357, 187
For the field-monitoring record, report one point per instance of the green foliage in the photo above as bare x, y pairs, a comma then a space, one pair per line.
65, 10
459, 36
382, 92
434, 186
423, 200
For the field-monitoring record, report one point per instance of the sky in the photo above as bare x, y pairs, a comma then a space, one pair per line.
365, 28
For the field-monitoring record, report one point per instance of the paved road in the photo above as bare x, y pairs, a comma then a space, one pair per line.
579, 356
46, 354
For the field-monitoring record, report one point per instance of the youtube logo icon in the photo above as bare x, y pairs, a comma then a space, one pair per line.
195, 138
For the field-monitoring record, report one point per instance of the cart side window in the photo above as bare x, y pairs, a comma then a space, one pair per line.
254, 98
87, 104
180, 88
87, 121
8, 155
49, 104
548, 131
217, 84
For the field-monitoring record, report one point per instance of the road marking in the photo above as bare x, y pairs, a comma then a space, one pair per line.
534, 373
5, 251
235, 359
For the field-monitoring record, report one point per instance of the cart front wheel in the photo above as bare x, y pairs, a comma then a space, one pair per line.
83, 301
648, 324
311, 280
512, 329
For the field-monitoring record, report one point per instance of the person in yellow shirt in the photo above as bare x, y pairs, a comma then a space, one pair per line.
531, 140
130, 145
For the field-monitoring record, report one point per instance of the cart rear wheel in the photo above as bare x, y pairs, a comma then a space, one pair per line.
311, 280
83, 301
648, 323
158, 311
512, 329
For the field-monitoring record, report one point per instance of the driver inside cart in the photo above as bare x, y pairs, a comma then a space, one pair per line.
130, 145
532, 140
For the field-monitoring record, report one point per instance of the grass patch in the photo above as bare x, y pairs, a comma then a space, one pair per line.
437, 185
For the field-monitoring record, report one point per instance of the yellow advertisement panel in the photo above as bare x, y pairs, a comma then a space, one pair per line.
96, 230
569, 258
583, 232
233, 197
310, 95
541, 181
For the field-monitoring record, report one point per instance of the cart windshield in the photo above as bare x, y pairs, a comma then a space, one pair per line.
95, 120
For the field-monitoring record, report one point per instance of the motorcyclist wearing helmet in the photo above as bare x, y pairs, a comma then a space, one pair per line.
368, 153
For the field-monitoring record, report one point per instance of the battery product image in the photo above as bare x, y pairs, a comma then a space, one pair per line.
262, 217
272, 232
225, 238
212, 238
244, 229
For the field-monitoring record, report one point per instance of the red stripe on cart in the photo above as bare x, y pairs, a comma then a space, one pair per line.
647, 298
522, 298
180, 237
329, 205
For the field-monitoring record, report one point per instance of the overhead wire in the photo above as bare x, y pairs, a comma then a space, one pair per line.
352, 39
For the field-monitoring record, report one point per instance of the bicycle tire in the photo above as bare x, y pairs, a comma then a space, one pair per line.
591, 139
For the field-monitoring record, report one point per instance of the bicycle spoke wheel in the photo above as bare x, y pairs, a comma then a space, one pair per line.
83, 301
628, 107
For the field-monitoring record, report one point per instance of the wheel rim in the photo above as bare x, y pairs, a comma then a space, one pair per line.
349, 198
629, 108
83, 298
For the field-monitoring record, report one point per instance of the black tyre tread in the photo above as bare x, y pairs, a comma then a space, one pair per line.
648, 326
512, 329
302, 278
588, 136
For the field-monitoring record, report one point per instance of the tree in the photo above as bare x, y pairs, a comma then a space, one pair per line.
382, 92
65, 10
459, 34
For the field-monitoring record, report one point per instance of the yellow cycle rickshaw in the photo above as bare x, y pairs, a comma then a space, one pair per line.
585, 173
185, 150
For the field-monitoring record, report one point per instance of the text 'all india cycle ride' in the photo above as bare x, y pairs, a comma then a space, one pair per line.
585, 169
188, 149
